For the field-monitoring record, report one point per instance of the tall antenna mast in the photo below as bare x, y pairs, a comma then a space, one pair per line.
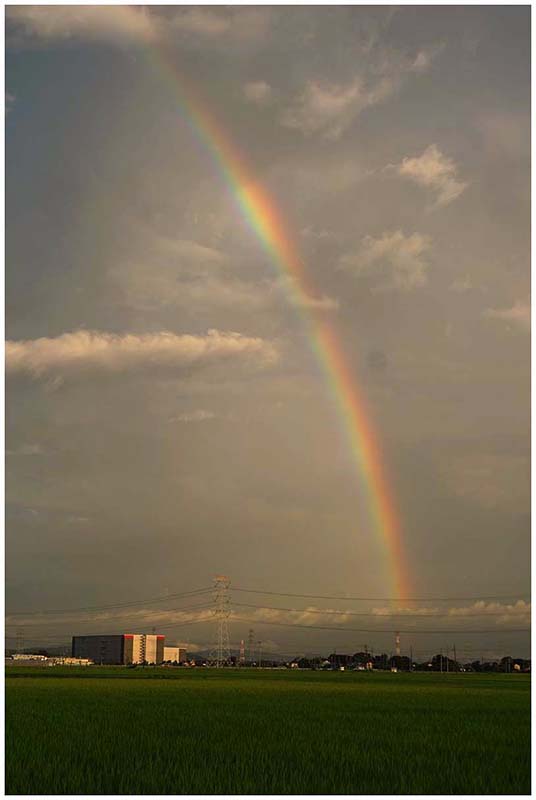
222, 613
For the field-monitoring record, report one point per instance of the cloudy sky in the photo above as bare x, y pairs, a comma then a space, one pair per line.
166, 417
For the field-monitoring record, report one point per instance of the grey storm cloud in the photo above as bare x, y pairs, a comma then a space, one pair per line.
197, 431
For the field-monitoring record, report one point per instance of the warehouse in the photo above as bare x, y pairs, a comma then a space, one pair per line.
121, 648
175, 654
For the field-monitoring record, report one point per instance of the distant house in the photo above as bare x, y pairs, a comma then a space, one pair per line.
338, 660
301, 663
400, 663
381, 661
363, 660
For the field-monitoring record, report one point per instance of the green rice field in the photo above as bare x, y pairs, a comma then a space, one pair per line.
99, 730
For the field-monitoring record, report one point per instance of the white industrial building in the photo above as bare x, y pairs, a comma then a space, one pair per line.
122, 648
177, 654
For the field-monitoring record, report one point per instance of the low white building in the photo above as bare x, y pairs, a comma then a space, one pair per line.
177, 654
28, 657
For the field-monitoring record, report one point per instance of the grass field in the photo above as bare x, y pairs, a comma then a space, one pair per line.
156, 731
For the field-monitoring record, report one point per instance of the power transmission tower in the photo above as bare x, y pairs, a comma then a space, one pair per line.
222, 613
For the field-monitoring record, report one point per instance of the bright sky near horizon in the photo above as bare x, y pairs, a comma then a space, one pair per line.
166, 417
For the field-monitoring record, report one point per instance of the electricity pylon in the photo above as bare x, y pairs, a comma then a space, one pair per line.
222, 613
251, 646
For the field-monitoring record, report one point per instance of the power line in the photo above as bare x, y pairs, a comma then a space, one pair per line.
207, 589
383, 599
380, 630
362, 614
122, 617
189, 622
112, 605
161, 627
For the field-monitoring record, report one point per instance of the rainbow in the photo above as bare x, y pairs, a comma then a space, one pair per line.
261, 213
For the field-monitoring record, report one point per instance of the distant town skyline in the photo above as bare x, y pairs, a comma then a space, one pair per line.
176, 405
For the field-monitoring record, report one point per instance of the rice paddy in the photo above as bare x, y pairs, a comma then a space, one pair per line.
101, 730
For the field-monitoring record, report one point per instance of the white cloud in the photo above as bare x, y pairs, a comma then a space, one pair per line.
246, 23
505, 134
188, 251
258, 92
110, 24
320, 303
330, 108
517, 315
435, 171
297, 297
185, 274
490, 480
327, 108
424, 58
317, 235
199, 279
141, 616
26, 450
97, 352
397, 260
202, 21
461, 285
153, 288
123, 24
499, 613
199, 415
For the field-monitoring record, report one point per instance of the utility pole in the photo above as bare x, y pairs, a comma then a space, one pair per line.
222, 613
251, 649
447, 659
